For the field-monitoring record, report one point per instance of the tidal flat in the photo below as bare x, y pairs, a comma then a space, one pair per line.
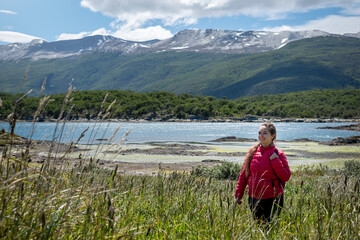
150, 158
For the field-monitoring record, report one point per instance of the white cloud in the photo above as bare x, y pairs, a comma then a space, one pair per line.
332, 24
143, 34
100, 31
137, 12
12, 37
353, 11
132, 15
139, 34
68, 36
8, 12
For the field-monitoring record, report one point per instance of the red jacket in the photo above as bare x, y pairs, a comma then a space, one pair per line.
263, 182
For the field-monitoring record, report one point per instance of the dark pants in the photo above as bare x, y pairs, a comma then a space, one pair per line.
265, 209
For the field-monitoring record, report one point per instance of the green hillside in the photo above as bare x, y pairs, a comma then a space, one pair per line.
316, 63
342, 103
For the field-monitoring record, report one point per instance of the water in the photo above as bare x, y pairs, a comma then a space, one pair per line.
171, 131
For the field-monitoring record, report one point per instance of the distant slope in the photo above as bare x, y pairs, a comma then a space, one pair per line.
341, 103
316, 63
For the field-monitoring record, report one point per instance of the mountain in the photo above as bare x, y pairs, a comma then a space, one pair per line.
40, 49
225, 41
357, 35
212, 41
199, 67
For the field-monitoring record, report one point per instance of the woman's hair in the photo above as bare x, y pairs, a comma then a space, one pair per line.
253, 149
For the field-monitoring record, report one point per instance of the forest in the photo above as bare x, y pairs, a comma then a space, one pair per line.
160, 105
315, 63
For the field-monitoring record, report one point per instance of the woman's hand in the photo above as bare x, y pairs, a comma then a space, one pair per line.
274, 155
238, 201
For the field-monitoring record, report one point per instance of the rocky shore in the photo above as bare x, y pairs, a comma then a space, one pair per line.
234, 139
244, 119
352, 127
353, 140
150, 158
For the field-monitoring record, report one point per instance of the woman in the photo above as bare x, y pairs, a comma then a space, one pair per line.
265, 170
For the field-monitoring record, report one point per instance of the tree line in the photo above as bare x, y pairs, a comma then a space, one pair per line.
122, 104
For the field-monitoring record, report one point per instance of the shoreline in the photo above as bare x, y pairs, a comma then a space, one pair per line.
335, 141
221, 120
151, 157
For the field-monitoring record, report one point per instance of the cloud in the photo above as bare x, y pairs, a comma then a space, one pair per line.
132, 18
139, 34
332, 24
143, 34
353, 9
8, 12
135, 13
100, 31
11, 37
68, 36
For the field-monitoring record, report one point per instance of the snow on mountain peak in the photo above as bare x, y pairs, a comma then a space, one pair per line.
195, 40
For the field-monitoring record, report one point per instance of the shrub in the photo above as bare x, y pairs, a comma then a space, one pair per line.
352, 168
224, 170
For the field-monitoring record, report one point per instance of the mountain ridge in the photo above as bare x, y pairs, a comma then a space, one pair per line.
189, 40
329, 61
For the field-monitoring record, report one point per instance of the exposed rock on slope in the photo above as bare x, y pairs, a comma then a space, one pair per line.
193, 40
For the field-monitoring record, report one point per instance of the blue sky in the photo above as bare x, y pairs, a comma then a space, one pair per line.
141, 20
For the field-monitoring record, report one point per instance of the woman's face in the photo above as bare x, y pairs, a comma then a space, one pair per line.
265, 137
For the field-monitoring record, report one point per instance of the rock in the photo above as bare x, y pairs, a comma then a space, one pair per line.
304, 140
343, 141
234, 139
211, 161
352, 127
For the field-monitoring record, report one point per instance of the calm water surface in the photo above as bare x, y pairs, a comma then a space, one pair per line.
170, 131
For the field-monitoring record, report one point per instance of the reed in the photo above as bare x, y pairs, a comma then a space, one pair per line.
90, 202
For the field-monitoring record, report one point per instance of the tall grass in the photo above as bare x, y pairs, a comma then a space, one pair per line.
90, 202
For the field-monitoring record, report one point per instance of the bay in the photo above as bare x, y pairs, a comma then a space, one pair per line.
143, 132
